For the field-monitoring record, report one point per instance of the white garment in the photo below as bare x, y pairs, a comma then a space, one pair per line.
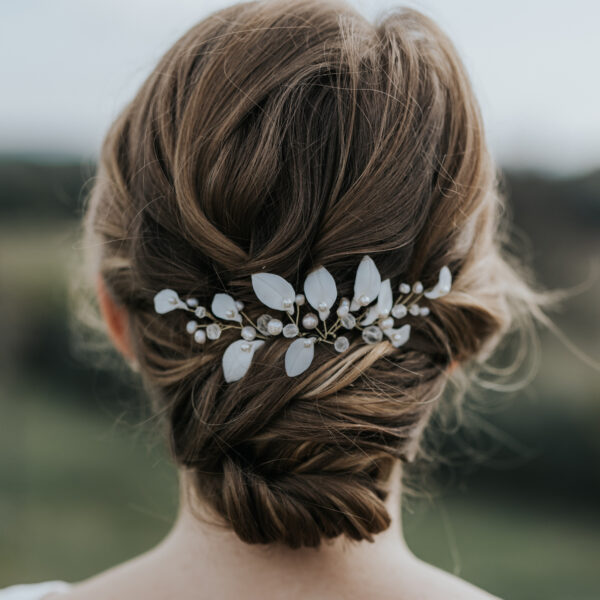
33, 591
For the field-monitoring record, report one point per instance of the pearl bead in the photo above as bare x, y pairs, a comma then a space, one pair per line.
239, 305
192, 302
310, 321
386, 323
396, 337
418, 288
399, 311
200, 336
348, 321
372, 334
287, 303
414, 310
322, 307
290, 330
213, 331
364, 300
200, 312
248, 332
424, 311
191, 326
343, 310
404, 288
274, 326
262, 322
173, 300
341, 344
309, 342
300, 299
245, 347
230, 314
344, 301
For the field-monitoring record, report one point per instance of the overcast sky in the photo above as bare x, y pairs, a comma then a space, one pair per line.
68, 66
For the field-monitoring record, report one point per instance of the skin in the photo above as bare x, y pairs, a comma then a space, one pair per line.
201, 559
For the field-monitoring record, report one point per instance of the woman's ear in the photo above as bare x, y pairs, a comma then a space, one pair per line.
116, 319
452, 366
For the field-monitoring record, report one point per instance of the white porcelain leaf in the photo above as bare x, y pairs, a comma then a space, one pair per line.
442, 287
225, 307
236, 361
368, 280
272, 290
371, 316
298, 356
385, 299
398, 336
167, 300
320, 288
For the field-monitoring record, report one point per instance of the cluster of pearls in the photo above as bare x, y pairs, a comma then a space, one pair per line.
268, 326
211, 331
372, 311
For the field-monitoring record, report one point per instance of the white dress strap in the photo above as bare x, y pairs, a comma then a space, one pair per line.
33, 591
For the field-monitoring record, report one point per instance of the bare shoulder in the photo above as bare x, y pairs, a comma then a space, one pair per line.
390, 577
428, 582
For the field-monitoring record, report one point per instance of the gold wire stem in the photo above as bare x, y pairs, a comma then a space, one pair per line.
208, 314
335, 326
407, 298
319, 331
248, 319
415, 300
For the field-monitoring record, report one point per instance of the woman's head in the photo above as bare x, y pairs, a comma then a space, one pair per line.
279, 136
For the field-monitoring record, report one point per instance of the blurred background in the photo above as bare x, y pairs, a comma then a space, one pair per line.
85, 482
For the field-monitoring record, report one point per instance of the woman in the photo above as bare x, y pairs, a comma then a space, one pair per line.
294, 238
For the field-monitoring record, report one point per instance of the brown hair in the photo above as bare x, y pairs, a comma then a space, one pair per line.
279, 136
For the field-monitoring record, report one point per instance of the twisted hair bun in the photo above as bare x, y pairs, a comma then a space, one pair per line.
279, 136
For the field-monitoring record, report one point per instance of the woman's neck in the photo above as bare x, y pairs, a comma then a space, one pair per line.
199, 559
194, 537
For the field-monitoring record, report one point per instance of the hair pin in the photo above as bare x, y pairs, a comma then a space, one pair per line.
373, 302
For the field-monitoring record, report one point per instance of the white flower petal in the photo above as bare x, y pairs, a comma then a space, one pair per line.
323, 314
272, 290
225, 307
320, 288
167, 300
372, 314
298, 356
236, 361
368, 279
398, 336
384, 299
442, 287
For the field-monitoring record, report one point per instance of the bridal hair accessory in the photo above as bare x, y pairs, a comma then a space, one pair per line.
372, 301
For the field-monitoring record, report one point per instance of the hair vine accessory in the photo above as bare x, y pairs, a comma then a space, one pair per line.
373, 300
